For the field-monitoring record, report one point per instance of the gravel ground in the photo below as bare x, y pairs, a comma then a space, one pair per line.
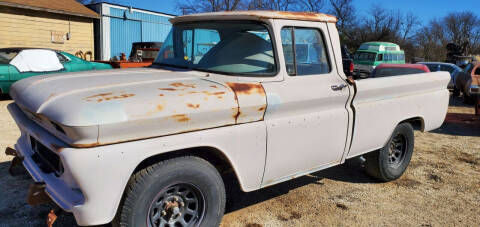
440, 188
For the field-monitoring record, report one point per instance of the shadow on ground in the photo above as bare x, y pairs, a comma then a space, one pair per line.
16, 212
460, 124
349, 172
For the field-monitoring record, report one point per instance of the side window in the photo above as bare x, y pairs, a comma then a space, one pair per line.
287, 44
62, 58
305, 51
380, 57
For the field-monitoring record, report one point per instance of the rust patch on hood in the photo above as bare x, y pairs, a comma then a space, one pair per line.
181, 117
178, 84
247, 88
167, 89
194, 106
107, 97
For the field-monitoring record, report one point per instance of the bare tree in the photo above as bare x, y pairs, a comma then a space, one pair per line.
312, 5
280, 5
345, 13
197, 6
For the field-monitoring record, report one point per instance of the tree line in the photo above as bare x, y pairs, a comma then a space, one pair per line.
426, 40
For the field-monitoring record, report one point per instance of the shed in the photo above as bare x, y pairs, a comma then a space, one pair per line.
65, 25
120, 26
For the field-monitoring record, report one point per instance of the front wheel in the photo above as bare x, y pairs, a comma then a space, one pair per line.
391, 161
185, 191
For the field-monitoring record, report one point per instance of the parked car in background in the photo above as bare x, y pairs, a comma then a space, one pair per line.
384, 70
347, 61
468, 81
20, 63
453, 69
371, 54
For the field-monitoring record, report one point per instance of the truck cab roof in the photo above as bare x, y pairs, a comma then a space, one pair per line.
256, 15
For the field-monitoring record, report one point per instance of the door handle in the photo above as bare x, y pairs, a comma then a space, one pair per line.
338, 87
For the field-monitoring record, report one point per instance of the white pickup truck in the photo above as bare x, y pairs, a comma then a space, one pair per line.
261, 94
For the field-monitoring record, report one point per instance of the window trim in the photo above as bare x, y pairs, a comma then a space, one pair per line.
327, 52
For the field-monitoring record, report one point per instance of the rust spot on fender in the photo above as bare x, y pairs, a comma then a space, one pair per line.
159, 107
161, 95
236, 113
178, 84
261, 109
195, 106
167, 89
247, 88
181, 117
213, 86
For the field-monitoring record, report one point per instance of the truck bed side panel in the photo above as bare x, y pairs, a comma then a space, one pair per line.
382, 103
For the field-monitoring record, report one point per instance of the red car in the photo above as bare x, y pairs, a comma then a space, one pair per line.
384, 70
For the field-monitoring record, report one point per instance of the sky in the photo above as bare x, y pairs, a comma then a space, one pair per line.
426, 10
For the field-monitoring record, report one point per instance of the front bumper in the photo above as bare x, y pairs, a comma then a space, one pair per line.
92, 182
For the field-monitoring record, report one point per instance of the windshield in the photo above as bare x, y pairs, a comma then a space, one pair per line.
222, 47
365, 56
7, 55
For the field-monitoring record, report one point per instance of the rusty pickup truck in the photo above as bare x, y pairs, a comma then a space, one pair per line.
260, 96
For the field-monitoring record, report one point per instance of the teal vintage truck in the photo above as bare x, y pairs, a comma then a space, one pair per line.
20, 63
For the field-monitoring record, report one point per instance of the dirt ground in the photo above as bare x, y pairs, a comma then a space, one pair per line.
441, 187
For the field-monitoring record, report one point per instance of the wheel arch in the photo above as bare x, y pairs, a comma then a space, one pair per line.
211, 154
418, 123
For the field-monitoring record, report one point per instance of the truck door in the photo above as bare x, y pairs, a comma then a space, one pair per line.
307, 120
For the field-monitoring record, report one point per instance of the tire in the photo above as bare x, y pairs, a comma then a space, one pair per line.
387, 166
188, 191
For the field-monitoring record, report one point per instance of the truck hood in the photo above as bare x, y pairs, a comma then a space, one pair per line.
102, 107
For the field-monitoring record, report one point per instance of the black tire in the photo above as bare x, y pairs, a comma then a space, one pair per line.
187, 190
385, 165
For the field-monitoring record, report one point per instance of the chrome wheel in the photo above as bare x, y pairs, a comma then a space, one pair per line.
178, 205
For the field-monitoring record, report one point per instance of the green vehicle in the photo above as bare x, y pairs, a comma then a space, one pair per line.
371, 54
20, 63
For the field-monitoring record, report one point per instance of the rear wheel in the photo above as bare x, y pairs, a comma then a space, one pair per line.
391, 161
179, 192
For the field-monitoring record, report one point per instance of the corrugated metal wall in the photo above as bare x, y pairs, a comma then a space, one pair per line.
126, 28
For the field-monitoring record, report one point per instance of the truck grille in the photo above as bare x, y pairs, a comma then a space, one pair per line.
47, 160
